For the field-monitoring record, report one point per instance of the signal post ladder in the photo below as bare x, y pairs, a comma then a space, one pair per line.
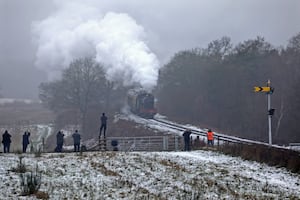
102, 144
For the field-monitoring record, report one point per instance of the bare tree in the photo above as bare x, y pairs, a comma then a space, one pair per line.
83, 87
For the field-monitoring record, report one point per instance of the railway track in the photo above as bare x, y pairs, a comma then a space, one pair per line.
218, 136
163, 123
179, 128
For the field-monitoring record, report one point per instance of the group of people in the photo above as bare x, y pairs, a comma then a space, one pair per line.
60, 141
6, 138
197, 142
6, 141
76, 136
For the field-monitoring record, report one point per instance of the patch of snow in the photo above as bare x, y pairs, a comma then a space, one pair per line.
149, 175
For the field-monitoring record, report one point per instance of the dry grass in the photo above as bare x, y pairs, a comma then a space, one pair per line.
172, 165
24, 114
42, 195
264, 154
129, 129
104, 170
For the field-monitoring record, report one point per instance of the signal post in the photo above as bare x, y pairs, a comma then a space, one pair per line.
269, 90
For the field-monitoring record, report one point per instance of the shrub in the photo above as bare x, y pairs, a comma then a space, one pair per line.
38, 153
30, 182
21, 168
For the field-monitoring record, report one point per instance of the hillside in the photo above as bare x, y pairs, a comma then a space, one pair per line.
144, 175
23, 112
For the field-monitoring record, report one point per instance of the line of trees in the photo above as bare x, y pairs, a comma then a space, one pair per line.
213, 87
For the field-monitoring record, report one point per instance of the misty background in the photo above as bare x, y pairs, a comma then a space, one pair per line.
167, 27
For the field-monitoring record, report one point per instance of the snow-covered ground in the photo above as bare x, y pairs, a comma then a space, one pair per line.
149, 175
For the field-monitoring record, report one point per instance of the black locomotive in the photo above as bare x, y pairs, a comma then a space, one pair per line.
141, 103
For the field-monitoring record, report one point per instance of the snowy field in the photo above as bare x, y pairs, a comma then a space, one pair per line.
149, 175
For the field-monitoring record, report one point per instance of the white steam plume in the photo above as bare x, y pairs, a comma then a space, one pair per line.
114, 39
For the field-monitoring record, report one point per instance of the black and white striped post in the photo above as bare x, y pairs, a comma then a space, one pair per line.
269, 90
269, 116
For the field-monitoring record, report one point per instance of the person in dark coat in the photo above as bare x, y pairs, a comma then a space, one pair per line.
197, 143
103, 125
25, 140
6, 141
76, 138
187, 142
59, 141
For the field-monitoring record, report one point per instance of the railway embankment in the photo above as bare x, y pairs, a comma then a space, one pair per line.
272, 156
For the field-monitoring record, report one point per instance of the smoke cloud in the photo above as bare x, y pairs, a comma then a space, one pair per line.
77, 30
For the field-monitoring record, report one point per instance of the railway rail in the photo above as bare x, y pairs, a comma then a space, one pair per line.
179, 128
218, 136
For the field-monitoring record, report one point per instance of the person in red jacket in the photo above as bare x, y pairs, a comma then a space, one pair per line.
210, 138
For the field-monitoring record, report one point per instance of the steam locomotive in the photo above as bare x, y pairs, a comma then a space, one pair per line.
141, 103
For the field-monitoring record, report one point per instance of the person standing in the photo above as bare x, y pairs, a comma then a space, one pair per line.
187, 142
6, 140
210, 138
59, 141
103, 125
25, 140
197, 143
76, 138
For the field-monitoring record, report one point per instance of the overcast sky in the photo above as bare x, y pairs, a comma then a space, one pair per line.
169, 25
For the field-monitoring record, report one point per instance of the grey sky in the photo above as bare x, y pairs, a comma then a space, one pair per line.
171, 25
